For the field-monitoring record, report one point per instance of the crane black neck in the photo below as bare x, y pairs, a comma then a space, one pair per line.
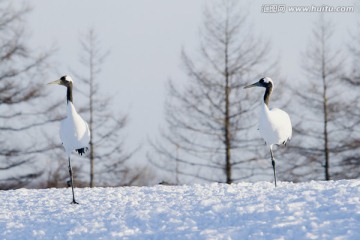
69, 96
268, 92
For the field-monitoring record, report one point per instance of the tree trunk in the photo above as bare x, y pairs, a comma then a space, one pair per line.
326, 142
227, 120
91, 164
227, 136
91, 83
325, 110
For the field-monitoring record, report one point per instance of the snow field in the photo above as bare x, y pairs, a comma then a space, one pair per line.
313, 210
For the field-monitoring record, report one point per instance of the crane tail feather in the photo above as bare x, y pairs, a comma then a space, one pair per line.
81, 151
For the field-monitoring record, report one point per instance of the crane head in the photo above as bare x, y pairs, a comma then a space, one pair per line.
263, 82
64, 81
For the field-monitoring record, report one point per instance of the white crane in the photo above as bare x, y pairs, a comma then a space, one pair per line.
74, 131
274, 124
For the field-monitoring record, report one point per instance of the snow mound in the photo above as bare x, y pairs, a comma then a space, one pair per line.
314, 210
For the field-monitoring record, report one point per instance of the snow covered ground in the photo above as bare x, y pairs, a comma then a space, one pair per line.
314, 210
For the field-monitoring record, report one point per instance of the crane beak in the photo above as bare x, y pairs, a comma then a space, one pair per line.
57, 82
253, 85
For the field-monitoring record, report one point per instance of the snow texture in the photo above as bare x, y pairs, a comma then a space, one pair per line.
314, 210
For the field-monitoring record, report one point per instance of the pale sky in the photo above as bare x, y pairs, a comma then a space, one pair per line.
145, 39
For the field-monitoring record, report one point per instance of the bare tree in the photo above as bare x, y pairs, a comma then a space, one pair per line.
319, 129
210, 119
106, 142
21, 97
351, 160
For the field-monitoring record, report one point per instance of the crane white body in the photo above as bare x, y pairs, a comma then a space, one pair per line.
274, 125
74, 131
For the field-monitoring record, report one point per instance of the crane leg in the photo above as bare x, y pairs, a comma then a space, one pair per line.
273, 164
72, 183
